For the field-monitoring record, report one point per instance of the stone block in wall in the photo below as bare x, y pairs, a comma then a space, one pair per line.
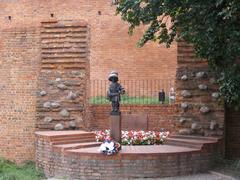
184, 106
58, 127
215, 95
202, 87
204, 109
185, 131
184, 120
186, 94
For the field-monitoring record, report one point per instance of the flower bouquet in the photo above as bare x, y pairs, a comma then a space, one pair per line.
135, 137
109, 147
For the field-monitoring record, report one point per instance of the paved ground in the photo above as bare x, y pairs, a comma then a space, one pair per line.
206, 176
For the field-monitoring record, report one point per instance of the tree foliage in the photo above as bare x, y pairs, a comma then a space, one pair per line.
211, 26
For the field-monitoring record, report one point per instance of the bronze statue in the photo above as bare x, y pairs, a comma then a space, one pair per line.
114, 92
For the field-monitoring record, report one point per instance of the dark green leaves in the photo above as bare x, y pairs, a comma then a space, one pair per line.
213, 27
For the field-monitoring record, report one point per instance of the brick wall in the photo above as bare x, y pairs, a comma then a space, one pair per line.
232, 133
129, 166
158, 116
19, 68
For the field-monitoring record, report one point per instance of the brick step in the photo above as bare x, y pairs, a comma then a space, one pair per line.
53, 134
81, 134
87, 134
194, 137
77, 136
70, 141
63, 147
138, 150
73, 137
184, 143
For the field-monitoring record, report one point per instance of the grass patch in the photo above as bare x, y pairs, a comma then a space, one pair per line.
128, 100
27, 171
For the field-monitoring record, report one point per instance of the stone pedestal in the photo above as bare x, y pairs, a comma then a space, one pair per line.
115, 126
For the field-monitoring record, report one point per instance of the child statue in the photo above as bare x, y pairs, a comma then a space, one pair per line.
114, 92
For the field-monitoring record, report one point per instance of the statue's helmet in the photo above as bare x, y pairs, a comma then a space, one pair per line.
113, 76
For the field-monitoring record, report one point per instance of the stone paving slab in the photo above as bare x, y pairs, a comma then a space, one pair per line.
204, 176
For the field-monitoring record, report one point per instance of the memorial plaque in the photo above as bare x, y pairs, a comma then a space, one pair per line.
134, 122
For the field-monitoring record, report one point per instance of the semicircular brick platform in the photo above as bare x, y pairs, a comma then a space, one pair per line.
75, 155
